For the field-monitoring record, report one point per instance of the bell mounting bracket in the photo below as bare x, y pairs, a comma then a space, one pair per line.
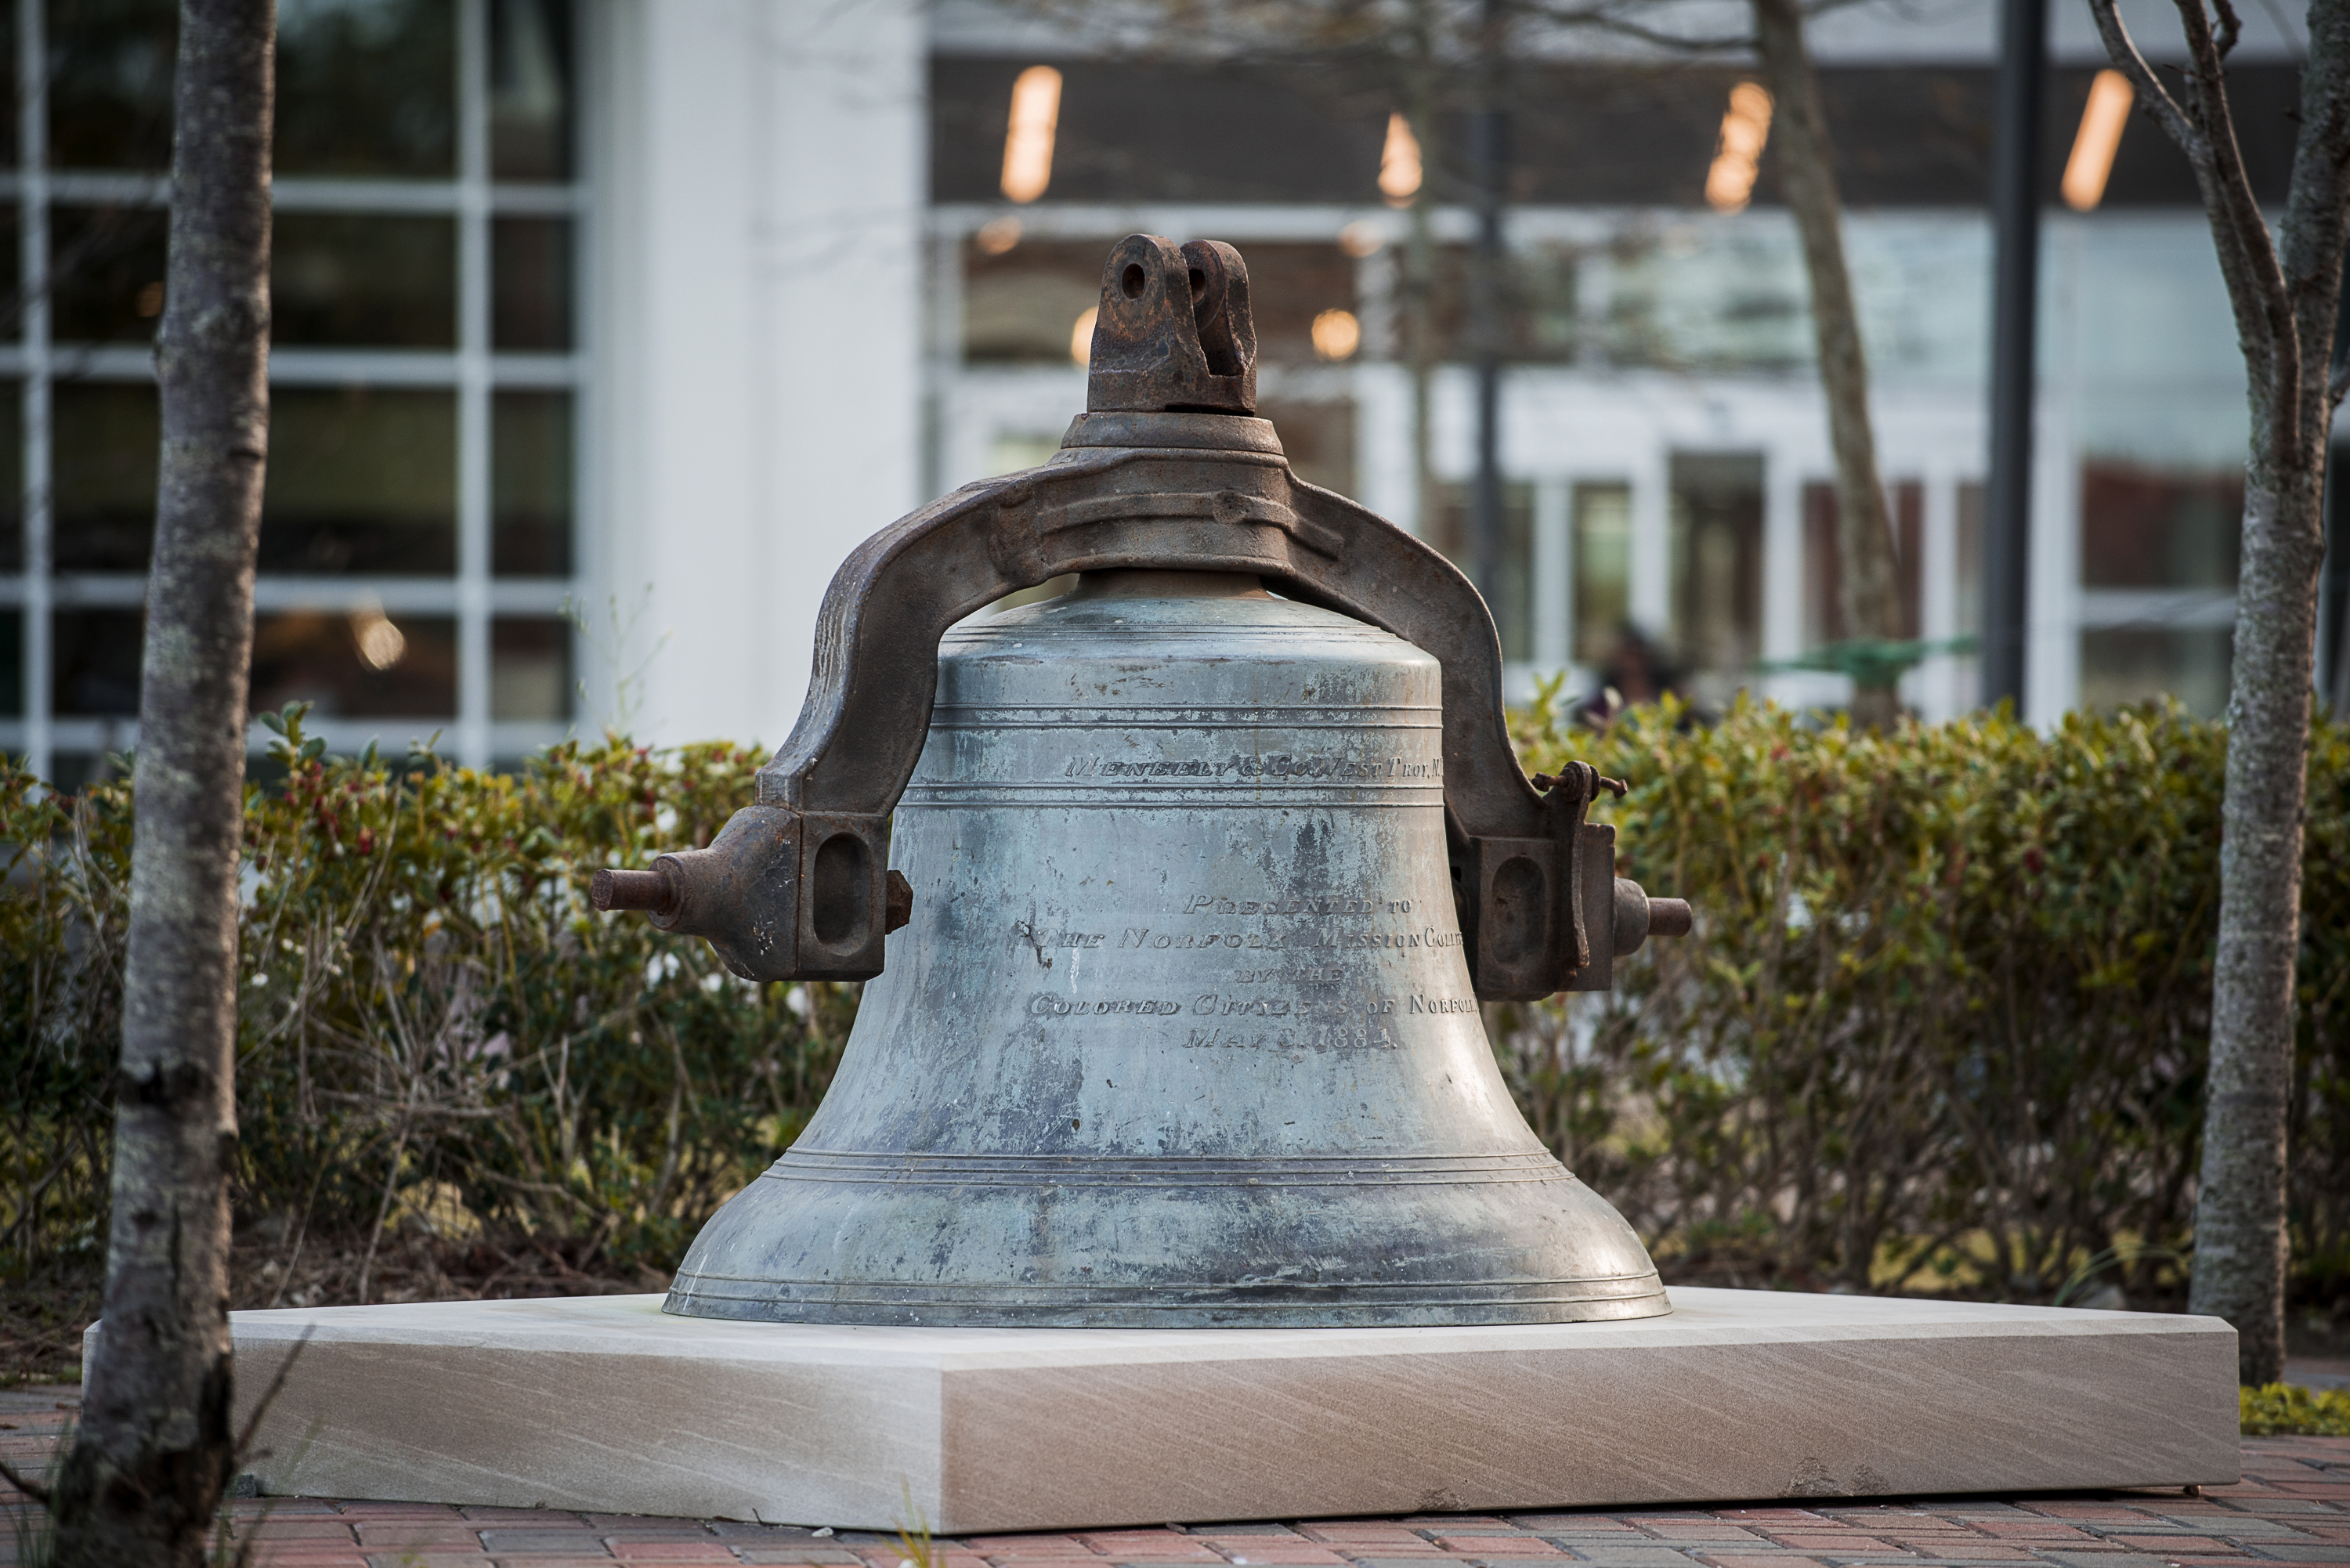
1167, 469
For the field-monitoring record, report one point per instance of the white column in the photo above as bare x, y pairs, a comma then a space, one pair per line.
1554, 587
1650, 589
766, 186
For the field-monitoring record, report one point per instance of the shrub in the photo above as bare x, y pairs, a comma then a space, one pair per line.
1943, 1021
1942, 1024
434, 1022
2287, 1409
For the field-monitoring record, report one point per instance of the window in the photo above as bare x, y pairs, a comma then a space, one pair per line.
1513, 600
417, 544
1717, 566
1602, 571
1824, 560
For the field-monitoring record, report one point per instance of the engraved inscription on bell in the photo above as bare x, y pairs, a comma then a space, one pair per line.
1180, 1033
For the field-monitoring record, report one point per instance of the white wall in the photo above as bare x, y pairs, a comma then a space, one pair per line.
760, 175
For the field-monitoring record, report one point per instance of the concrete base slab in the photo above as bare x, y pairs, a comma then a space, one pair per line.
606, 1404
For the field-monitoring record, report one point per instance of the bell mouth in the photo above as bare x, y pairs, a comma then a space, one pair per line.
1139, 583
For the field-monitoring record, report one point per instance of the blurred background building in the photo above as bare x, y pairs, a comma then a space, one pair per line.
605, 330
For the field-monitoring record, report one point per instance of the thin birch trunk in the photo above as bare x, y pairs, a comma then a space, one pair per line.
2285, 290
1865, 589
155, 1448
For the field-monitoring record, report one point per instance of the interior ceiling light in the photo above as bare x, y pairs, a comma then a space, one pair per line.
1336, 334
1028, 144
1081, 336
1400, 163
2103, 120
1361, 238
998, 235
1745, 127
381, 644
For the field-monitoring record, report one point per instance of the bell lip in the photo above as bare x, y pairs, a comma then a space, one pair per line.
1521, 1304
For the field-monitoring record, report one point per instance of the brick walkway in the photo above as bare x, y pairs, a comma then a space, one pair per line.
2292, 1507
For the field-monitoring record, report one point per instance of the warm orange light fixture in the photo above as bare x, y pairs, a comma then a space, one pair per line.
1028, 144
1081, 336
1336, 334
1745, 128
1400, 163
2102, 121
997, 236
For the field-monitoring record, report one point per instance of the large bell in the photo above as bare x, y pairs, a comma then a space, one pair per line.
1196, 877
1180, 1034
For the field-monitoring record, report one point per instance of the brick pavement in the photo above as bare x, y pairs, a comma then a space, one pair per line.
2293, 1507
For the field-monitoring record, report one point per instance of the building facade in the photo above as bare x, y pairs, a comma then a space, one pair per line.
604, 328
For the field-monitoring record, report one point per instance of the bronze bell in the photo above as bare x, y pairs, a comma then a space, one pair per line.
1203, 869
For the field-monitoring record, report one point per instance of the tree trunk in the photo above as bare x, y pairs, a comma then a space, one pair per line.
153, 1459
2285, 294
1866, 588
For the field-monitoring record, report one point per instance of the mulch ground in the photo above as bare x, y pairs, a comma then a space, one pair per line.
2292, 1507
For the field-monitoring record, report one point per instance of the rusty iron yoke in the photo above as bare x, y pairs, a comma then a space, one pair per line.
1167, 469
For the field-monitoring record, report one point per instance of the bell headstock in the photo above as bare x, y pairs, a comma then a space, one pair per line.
1173, 334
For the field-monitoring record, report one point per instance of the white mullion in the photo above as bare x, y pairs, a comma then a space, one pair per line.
473, 384
32, 267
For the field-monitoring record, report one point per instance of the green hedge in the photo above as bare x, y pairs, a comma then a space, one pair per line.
432, 1016
1941, 1023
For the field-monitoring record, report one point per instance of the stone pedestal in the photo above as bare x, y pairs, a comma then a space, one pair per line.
605, 1403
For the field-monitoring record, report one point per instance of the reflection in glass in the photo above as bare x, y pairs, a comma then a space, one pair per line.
1513, 603
12, 299
12, 477
1602, 570
107, 272
111, 83
361, 479
94, 662
1824, 560
103, 438
12, 664
1717, 565
2147, 527
530, 283
530, 484
364, 280
530, 89
367, 87
2131, 664
359, 663
530, 669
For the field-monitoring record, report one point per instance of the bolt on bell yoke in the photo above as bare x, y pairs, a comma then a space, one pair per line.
1203, 887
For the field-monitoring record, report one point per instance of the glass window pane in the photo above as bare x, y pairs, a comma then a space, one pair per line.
1717, 564
361, 479
364, 279
1513, 606
12, 477
111, 83
106, 267
530, 484
530, 283
367, 87
12, 664
530, 669
1021, 306
360, 663
12, 299
530, 89
1824, 560
94, 660
2130, 664
2147, 527
1602, 571
1319, 438
103, 438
